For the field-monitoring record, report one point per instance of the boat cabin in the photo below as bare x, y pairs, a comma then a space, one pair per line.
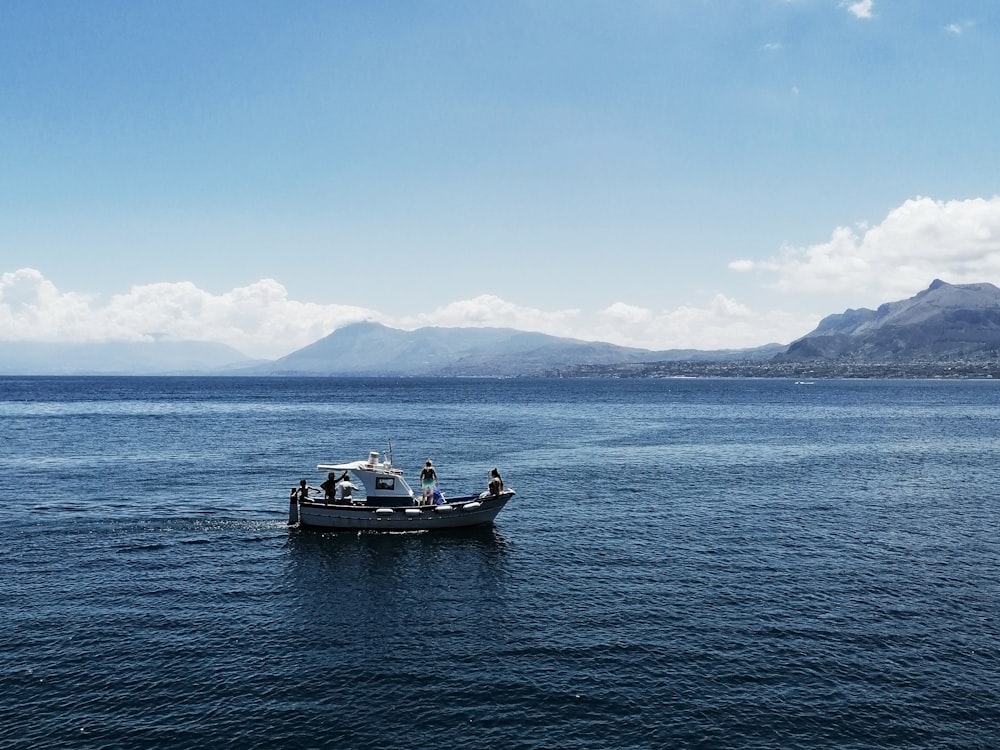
383, 484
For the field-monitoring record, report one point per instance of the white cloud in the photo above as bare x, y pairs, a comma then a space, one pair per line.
959, 27
923, 239
490, 311
625, 313
722, 323
741, 265
860, 9
32, 308
258, 319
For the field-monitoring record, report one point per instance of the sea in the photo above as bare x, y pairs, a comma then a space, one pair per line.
688, 563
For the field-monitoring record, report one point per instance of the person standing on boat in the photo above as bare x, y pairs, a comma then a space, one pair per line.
428, 481
329, 486
496, 482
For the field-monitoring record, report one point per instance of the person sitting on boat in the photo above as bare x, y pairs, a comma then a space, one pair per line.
428, 481
345, 490
303, 491
496, 482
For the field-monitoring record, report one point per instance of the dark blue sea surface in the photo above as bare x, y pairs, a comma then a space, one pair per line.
687, 564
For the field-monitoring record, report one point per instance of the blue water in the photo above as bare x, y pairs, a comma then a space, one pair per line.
687, 563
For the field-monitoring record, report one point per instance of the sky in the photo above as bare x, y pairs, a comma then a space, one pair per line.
654, 173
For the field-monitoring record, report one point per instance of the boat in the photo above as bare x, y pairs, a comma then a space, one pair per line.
387, 502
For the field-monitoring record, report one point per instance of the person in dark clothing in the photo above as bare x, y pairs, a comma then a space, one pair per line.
304, 490
496, 482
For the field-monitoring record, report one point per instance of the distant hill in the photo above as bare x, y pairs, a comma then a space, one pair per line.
118, 358
371, 349
943, 322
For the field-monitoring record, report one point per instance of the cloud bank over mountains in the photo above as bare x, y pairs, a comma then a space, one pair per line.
258, 319
918, 241
261, 321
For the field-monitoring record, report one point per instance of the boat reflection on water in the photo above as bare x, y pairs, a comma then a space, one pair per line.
355, 587
439, 552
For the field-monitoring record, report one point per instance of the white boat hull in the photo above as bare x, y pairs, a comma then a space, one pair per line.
460, 513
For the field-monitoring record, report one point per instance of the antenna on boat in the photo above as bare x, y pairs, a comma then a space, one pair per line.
390, 451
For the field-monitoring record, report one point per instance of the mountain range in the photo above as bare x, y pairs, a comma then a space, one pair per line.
371, 349
942, 323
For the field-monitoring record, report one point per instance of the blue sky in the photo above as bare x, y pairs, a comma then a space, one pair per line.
657, 173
